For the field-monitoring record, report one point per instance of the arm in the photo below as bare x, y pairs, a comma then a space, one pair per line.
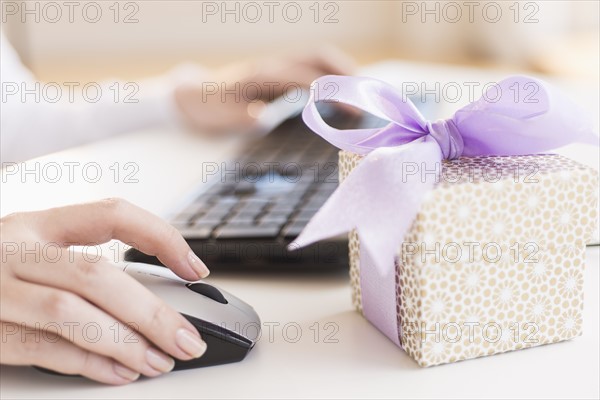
33, 123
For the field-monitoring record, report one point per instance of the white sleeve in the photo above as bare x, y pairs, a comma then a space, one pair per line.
39, 118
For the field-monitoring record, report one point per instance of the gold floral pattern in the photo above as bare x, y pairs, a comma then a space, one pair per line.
538, 309
566, 217
571, 284
498, 228
437, 306
506, 295
472, 314
532, 199
472, 279
569, 323
538, 267
438, 350
461, 213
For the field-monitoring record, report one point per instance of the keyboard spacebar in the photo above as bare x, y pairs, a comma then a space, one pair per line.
248, 231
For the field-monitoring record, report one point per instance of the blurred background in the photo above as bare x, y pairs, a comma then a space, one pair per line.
435, 41
132, 39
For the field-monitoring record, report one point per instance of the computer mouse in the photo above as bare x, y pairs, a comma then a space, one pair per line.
229, 326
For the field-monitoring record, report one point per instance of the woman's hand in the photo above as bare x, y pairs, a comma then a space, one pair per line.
235, 95
61, 311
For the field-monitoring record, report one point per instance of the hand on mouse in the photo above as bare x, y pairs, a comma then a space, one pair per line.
74, 314
234, 96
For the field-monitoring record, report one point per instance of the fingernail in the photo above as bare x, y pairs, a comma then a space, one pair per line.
159, 361
125, 373
190, 343
197, 265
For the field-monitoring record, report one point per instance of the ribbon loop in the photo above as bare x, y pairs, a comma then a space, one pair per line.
375, 97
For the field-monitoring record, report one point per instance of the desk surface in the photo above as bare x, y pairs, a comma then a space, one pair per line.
336, 354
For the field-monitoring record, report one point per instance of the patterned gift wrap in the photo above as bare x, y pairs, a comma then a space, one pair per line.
527, 219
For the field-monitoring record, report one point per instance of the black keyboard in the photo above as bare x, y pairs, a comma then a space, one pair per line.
263, 200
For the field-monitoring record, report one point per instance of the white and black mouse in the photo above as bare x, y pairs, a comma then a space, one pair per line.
229, 326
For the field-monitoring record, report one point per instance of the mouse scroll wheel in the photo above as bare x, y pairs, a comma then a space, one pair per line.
209, 291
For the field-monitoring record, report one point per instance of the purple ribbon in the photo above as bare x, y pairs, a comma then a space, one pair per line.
519, 115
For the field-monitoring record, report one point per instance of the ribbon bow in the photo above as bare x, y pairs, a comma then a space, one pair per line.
517, 116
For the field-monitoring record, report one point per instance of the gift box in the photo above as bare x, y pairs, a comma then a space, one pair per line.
466, 239
494, 259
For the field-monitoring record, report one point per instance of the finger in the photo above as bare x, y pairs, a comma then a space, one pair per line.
120, 295
82, 324
22, 346
101, 221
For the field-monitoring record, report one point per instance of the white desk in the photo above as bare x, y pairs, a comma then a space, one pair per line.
362, 363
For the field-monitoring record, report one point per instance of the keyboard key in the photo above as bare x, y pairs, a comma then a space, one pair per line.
180, 225
230, 175
294, 195
252, 205
328, 186
323, 194
305, 215
226, 201
272, 223
242, 219
282, 208
244, 188
247, 231
182, 219
292, 198
302, 185
220, 209
279, 212
248, 214
274, 219
196, 232
213, 217
293, 229
202, 206
212, 221
315, 202
310, 210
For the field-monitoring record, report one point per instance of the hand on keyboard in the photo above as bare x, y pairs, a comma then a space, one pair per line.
235, 95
